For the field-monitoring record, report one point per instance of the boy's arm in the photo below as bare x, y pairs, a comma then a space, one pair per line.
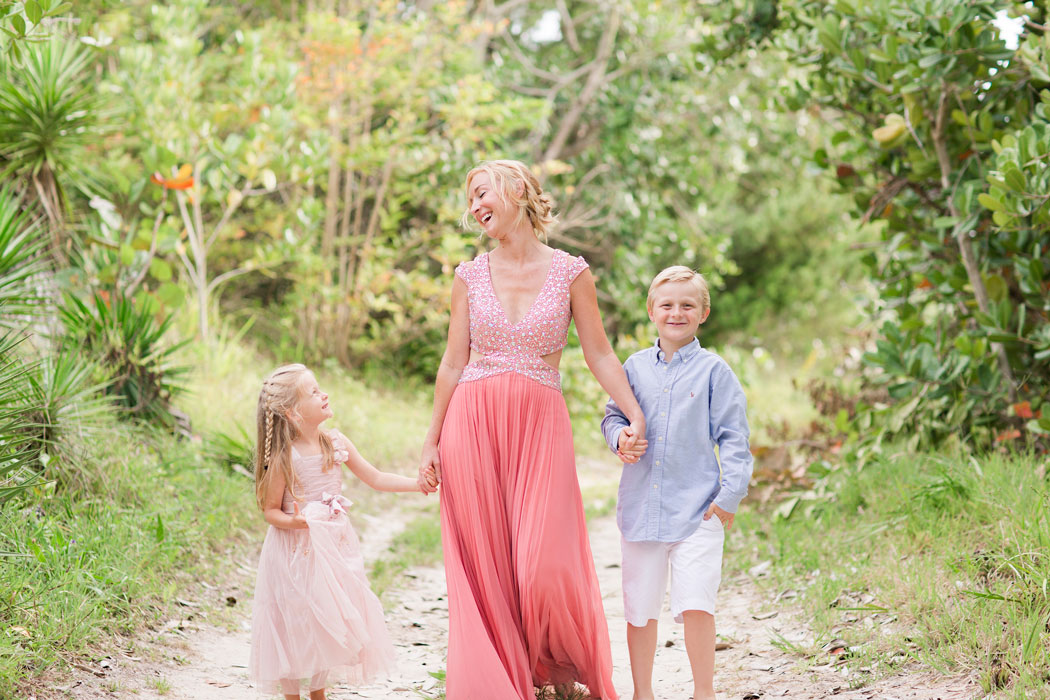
730, 432
613, 422
615, 419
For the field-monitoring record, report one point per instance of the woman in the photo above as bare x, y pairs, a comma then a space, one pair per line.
524, 604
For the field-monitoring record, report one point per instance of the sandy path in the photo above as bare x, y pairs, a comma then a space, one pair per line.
213, 657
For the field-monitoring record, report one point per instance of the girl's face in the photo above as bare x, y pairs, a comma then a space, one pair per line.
313, 406
492, 214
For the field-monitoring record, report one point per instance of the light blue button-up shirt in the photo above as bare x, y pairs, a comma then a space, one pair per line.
691, 404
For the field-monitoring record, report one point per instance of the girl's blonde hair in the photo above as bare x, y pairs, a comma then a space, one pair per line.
681, 273
277, 430
514, 182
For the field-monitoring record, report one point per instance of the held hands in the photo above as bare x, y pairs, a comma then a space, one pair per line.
632, 443
429, 470
725, 516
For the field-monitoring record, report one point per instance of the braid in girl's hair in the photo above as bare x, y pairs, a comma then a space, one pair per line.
275, 431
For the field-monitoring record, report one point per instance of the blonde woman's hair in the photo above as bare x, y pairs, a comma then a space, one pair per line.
277, 430
681, 273
514, 182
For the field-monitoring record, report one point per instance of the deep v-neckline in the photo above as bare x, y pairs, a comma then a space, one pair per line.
543, 288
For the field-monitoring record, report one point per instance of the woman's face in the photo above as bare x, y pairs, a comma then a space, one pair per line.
493, 214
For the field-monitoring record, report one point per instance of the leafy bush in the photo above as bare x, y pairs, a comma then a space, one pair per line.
128, 342
944, 144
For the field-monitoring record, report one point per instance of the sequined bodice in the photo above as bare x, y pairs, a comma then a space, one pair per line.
541, 331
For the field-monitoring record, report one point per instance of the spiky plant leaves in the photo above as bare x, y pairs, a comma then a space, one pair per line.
21, 298
64, 404
235, 450
19, 460
128, 341
49, 110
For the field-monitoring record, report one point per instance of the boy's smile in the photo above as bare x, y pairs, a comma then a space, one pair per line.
677, 315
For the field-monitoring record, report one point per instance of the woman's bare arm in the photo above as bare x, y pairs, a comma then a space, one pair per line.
455, 358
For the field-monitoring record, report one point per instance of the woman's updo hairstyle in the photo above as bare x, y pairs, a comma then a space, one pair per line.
515, 183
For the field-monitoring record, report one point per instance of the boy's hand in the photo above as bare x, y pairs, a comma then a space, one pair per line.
629, 448
724, 515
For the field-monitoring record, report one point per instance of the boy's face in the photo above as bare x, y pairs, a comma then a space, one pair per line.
676, 312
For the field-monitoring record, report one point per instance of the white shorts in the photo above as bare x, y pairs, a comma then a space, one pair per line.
696, 571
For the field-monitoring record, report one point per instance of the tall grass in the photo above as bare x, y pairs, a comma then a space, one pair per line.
940, 559
80, 569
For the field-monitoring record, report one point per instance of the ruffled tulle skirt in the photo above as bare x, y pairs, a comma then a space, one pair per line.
315, 620
524, 605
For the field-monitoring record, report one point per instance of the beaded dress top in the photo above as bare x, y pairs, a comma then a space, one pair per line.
543, 329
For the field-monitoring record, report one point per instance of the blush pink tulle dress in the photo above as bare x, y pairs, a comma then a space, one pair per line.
524, 605
315, 621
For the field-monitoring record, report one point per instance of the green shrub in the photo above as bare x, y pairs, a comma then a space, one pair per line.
127, 339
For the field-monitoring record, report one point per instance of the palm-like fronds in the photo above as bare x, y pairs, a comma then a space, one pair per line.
19, 460
128, 341
62, 405
20, 263
48, 110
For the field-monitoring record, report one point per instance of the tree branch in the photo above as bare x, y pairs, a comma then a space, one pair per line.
962, 234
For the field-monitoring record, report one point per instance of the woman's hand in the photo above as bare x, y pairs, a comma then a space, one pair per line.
632, 441
631, 446
429, 469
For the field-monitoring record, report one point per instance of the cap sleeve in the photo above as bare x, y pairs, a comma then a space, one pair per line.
466, 270
462, 270
576, 265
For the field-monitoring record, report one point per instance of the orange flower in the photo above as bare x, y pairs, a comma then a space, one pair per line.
1023, 410
182, 180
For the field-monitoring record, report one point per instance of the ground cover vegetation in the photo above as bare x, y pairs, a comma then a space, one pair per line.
191, 192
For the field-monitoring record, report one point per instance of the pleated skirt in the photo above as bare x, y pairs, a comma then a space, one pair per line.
524, 605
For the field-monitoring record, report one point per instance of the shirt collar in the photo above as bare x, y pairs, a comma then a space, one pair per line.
686, 352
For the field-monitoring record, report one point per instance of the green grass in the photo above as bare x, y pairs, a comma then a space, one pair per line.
83, 569
386, 424
419, 544
929, 558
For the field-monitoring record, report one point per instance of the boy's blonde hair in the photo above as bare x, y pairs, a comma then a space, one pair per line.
276, 431
507, 178
681, 273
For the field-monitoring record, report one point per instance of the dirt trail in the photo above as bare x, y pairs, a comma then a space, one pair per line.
213, 657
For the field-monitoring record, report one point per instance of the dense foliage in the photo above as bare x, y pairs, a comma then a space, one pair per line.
942, 138
170, 171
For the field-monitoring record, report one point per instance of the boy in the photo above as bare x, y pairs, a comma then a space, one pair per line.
675, 503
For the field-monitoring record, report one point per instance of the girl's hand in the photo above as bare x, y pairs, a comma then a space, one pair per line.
429, 469
298, 521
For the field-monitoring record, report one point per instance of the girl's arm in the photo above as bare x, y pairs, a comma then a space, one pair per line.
379, 480
601, 359
457, 354
272, 506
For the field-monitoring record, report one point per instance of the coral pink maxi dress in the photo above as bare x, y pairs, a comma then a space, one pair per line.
524, 605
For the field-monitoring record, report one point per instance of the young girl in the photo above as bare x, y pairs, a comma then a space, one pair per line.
315, 619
